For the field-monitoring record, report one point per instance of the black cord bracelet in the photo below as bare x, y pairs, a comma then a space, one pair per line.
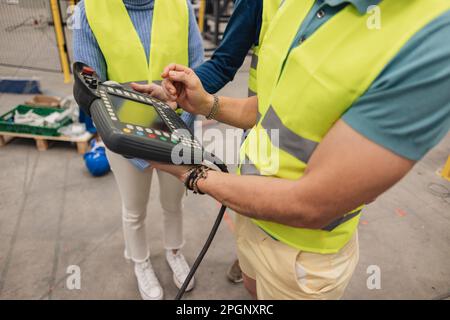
195, 174
190, 176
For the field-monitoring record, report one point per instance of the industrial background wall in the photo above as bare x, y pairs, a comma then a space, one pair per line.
33, 40
28, 35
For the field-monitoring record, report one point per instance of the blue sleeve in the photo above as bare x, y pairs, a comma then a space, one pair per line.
407, 108
241, 33
85, 46
196, 51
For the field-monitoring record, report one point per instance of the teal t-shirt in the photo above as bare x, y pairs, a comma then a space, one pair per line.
407, 108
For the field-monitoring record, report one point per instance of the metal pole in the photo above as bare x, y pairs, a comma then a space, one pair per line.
446, 170
216, 10
201, 15
60, 40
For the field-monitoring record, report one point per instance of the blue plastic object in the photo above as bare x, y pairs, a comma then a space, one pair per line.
96, 161
20, 86
84, 118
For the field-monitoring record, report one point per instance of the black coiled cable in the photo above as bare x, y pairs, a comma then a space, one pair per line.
211, 236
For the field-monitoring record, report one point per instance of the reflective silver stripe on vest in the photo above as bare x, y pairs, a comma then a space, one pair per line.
248, 168
290, 142
340, 221
254, 63
246, 132
258, 116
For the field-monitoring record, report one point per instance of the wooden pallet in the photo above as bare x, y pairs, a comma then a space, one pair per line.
42, 142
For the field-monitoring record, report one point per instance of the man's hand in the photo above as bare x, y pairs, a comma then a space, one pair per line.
182, 85
155, 91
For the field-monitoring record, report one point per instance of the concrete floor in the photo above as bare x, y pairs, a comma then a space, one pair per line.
53, 214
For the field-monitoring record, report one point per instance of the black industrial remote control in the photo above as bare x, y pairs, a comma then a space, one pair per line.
135, 124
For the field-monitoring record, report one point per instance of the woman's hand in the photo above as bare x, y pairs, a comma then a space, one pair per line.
178, 171
155, 91
182, 85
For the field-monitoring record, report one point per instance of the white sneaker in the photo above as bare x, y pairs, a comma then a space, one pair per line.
180, 269
148, 283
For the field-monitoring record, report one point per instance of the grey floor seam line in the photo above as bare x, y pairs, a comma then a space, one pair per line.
79, 263
51, 282
26, 187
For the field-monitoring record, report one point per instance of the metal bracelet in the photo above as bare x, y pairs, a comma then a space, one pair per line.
215, 108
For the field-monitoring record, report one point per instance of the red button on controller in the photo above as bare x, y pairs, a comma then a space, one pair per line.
87, 71
153, 136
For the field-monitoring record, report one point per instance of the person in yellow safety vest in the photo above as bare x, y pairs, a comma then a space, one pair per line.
346, 105
269, 10
131, 41
245, 31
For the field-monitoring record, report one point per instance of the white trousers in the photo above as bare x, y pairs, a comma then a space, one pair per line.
134, 187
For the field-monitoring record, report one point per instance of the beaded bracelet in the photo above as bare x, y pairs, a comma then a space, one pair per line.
193, 176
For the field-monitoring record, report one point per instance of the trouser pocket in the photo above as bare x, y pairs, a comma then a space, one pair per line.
325, 276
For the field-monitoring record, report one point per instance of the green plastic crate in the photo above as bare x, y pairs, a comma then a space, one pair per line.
7, 124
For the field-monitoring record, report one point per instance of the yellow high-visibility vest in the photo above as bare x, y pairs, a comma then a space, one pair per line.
270, 8
120, 44
123, 50
302, 93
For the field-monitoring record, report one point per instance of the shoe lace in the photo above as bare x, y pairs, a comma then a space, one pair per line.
179, 265
149, 279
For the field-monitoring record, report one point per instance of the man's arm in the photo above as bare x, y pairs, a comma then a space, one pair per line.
240, 34
337, 180
239, 113
182, 85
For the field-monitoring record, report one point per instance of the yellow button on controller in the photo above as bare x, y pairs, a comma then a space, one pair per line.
126, 130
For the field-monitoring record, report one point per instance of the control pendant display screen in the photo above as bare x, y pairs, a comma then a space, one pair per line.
136, 113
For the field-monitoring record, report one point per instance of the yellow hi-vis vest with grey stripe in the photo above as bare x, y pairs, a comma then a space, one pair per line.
320, 80
270, 8
123, 50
